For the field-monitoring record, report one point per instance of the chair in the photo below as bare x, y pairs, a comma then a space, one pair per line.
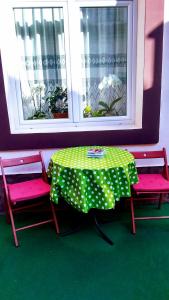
27, 194
155, 184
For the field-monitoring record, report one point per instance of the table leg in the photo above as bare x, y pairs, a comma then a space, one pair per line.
71, 231
94, 220
103, 235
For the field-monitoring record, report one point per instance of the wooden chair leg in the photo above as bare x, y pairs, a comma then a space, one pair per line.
132, 216
160, 200
54, 217
13, 226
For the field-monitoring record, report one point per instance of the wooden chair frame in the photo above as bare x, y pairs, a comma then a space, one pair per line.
135, 194
24, 205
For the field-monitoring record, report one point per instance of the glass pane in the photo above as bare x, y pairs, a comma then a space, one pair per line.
104, 61
41, 47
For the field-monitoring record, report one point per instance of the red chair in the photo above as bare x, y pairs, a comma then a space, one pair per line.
27, 194
155, 184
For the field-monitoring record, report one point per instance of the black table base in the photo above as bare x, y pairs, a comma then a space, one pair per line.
94, 220
102, 234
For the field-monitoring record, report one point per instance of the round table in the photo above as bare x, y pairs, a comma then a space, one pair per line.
87, 182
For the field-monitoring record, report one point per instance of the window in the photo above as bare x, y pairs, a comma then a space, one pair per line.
75, 66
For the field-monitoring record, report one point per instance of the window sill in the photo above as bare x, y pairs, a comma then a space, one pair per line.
76, 127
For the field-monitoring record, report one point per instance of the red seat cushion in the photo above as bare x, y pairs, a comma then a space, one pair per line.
151, 182
28, 190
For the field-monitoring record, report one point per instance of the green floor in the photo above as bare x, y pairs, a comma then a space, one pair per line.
82, 266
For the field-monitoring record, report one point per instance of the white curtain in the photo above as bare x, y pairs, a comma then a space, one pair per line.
104, 55
40, 37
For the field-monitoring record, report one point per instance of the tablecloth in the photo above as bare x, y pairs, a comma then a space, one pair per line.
87, 182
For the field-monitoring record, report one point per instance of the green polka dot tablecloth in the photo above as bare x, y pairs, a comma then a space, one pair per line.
87, 182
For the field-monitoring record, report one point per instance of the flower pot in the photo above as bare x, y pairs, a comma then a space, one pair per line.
63, 115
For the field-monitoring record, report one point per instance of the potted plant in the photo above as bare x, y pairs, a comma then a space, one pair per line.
57, 102
106, 110
109, 87
37, 91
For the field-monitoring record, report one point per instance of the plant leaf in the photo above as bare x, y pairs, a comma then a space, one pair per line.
114, 102
104, 104
101, 111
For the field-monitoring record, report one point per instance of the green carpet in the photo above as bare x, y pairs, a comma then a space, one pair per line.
82, 266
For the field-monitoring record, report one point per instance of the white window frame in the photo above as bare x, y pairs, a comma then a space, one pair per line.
75, 121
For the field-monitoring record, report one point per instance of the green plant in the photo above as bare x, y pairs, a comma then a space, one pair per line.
88, 112
97, 113
109, 109
37, 91
57, 100
38, 115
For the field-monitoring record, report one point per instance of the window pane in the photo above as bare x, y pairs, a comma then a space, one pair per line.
104, 60
41, 47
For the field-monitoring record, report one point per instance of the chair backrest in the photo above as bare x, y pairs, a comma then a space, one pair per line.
154, 154
20, 161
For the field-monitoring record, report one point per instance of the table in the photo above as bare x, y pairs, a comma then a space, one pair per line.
87, 183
